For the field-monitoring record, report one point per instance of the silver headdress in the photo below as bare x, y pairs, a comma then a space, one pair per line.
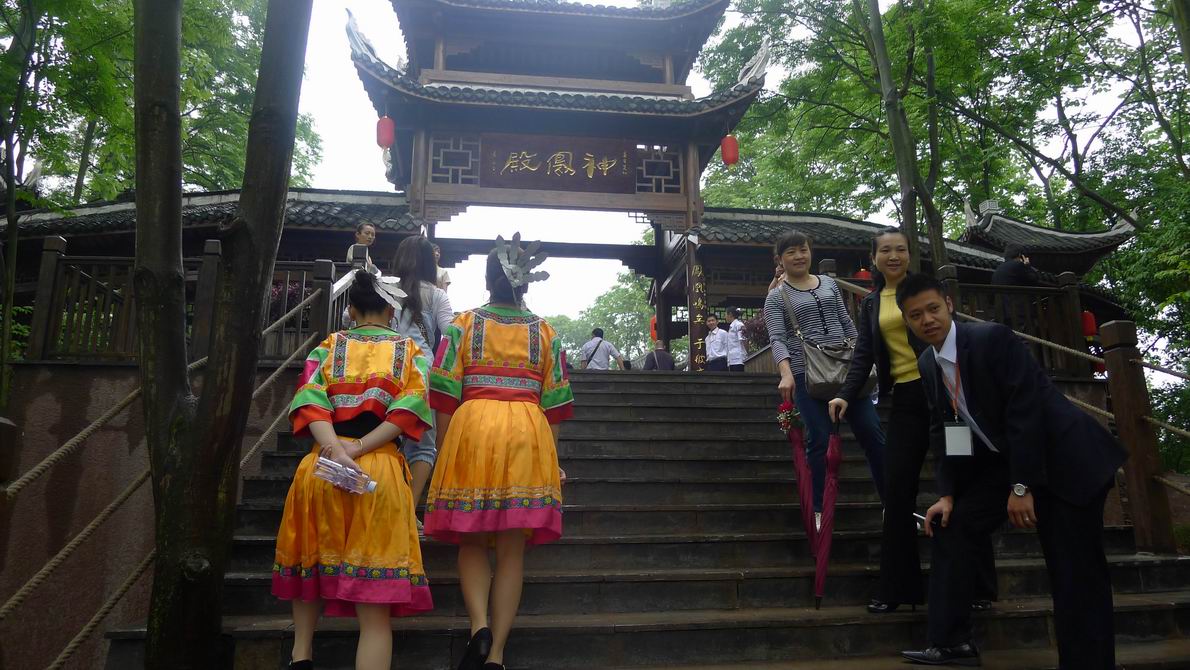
518, 263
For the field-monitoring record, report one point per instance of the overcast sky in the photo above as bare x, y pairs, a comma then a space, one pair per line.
345, 119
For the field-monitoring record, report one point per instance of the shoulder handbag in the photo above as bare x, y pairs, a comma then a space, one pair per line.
592, 356
826, 364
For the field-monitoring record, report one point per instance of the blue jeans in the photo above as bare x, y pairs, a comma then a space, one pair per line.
422, 450
861, 414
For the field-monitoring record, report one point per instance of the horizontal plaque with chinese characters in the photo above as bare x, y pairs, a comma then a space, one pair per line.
554, 163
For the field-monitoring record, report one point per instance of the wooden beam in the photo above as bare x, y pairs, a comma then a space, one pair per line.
515, 197
668, 89
637, 257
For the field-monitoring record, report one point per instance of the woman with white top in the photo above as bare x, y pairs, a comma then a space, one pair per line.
821, 316
424, 318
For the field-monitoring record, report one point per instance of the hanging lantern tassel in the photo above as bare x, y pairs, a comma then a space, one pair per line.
386, 130
730, 147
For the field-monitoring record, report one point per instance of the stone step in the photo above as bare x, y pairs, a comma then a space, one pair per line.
265, 517
554, 591
252, 553
726, 465
1156, 655
645, 491
677, 638
757, 412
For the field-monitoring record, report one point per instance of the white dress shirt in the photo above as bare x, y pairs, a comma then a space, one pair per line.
735, 343
947, 359
597, 353
716, 344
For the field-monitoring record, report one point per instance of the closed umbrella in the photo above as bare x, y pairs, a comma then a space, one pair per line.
791, 423
830, 493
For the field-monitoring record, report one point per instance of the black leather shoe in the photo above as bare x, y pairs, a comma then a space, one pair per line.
492, 666
964, 654
981, 605
301, 665
878, 606
477, 650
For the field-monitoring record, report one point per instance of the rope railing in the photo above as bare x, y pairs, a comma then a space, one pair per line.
52, 565
89, 629
264, 436
1037, 340
302, 348
1162, 369
1175, 485
1171, 428
290, 314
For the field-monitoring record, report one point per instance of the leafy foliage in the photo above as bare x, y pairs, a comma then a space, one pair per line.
80, 95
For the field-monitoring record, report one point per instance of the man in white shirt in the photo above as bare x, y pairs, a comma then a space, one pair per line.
735, 341
597, 353
717, 346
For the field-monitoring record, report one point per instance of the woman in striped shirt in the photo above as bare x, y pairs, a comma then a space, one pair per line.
822, 319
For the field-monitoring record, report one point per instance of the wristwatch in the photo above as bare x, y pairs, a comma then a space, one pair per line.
1020, 490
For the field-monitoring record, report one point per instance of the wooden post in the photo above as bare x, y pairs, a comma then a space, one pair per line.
696, 299
949, 276
357, 255
204, 299
1072, 317
322, 321
828, 267
1148, 499
40, 337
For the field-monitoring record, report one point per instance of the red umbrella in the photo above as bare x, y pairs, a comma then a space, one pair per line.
834, 456
791, 424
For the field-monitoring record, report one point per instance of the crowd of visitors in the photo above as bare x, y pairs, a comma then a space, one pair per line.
469, 406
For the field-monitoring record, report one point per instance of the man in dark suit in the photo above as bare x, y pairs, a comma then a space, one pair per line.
1015, 270
1014, 448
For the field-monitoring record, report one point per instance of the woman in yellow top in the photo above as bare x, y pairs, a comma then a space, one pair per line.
885, 341
500, 388
358, 555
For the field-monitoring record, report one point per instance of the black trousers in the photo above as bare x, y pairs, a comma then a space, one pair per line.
906, 448
717, 365
1072, 541
737, 367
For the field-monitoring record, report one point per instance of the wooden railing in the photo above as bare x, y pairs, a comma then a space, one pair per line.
84, 309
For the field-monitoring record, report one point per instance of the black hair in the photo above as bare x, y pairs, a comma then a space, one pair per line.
734, 311
363, 294
793, 238
414, 264
1013, 252
359, 227
878, 277
916, 284
597, 332
499, 287
713, 316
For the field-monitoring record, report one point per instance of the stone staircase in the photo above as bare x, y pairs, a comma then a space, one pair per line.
683, 547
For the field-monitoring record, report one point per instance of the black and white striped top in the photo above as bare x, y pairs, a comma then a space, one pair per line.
821, 316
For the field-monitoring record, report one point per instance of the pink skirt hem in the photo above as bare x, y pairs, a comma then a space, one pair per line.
340, 594
543, 524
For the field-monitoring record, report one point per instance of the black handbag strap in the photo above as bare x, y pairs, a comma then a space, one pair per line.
593, 352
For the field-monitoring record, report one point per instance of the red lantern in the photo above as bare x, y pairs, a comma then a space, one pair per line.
386, 130
653, 328
731, 150
1090, 327
863, 274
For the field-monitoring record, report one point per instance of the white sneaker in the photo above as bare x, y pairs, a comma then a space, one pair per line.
818, 521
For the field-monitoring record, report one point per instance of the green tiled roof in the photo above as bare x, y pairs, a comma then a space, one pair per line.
305, 208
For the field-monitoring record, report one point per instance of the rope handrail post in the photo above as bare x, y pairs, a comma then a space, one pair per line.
1071, 318
204, 299
1151, 517
40, 333
949, 276
321, 319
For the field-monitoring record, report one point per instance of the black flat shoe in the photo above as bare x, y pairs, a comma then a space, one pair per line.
878, 606
301, 665
981, 605
964, 654
492, 666
477, 650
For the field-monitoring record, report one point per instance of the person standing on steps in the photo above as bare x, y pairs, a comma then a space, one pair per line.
1016, 449
659, 359
597, 353
821, 318
365, 234
735, 340
717, 346
500, 387
885, 341
443, 280
424, 318
357, 554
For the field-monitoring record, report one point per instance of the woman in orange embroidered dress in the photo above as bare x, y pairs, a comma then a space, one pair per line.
500, 387
357, 554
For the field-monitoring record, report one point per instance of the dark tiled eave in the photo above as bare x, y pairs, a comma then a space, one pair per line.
676, 10
378, 78
305, 208
997, 231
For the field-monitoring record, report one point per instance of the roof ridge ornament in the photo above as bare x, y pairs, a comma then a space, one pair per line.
518, 263
757, 65
361, 46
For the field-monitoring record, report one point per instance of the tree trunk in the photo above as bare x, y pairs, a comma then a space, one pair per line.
20, 52
84, 160
196, 470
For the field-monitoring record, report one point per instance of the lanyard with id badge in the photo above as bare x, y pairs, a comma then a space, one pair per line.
957, 433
